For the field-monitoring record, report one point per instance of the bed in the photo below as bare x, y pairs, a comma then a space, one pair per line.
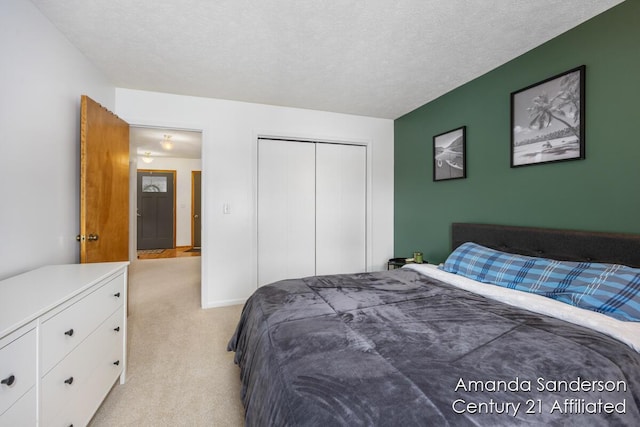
422, 346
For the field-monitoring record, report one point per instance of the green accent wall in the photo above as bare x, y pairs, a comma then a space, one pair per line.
600, 193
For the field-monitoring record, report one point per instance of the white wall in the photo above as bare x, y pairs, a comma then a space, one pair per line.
183, 168
230, 131
42, 77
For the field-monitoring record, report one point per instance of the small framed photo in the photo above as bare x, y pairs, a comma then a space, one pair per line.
449, 155
547, 120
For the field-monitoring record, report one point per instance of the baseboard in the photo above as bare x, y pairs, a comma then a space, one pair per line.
224, 303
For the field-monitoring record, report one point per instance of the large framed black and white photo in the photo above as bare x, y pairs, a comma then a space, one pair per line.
449, 155
547, 120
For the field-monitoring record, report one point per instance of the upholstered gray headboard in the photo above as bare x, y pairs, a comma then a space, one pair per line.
557, 244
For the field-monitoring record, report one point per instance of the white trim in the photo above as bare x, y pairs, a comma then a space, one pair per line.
224, 303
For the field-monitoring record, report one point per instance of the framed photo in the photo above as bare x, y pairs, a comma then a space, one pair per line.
449, 155
547, 120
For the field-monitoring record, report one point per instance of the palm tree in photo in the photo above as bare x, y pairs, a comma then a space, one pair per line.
569, 95
564, 106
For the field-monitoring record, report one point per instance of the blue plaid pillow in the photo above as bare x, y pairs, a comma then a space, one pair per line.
610, 289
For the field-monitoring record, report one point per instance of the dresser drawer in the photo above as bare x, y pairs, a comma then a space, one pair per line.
69, 389
17, 368
89, 399
68, 328
23, 412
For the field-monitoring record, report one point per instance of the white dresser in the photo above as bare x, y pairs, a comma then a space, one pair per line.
63, 335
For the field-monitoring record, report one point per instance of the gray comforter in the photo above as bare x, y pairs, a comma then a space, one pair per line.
400, 349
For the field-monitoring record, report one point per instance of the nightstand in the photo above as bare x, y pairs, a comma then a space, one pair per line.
394, 263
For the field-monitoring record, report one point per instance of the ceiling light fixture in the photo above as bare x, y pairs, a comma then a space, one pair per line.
147, 157
166, 143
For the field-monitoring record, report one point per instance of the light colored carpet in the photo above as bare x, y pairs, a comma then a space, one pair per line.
179, 371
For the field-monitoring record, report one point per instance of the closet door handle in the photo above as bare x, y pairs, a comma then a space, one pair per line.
69, 381
117, 362
117, 295
117, 329
69, 332
9, 380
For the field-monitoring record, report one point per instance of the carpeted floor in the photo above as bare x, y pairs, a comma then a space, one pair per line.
179, 372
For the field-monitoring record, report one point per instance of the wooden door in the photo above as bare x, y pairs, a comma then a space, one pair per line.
156, 209
196, 208
104, 184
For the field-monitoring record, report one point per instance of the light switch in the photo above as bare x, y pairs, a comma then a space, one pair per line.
226, 208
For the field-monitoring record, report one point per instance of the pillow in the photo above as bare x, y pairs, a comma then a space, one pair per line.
611, 289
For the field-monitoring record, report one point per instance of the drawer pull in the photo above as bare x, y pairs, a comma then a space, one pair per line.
117, 329
8, 381
69, 381
117, 362
69, 332
117, 295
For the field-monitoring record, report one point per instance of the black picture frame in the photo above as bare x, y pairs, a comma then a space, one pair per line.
450, 155
547, 120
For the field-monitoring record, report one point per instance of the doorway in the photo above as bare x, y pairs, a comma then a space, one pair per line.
157, 150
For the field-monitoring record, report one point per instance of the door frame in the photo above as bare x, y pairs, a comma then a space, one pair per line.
175, 190
198, 127
193, 204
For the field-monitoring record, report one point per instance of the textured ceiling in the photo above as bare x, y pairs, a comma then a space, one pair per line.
186, 144
378, 58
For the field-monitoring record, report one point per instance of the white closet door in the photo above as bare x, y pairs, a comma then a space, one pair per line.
341, 189
286, 210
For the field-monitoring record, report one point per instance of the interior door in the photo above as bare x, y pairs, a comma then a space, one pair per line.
104, 184
286, 210
156, 209
196, 205
341, 208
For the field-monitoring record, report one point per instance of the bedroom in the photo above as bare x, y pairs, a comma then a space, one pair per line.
608, 171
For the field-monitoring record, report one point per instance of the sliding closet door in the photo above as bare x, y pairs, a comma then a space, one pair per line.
341, 189
286, 210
